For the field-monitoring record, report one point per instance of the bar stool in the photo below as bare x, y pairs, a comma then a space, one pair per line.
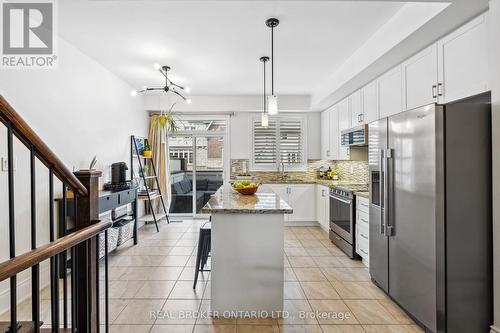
204, 242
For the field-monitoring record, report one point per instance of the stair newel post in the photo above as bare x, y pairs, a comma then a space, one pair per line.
86, 254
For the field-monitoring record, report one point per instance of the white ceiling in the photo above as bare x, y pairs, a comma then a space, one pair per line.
214, 46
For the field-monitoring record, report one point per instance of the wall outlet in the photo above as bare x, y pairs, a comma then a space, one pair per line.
5, 164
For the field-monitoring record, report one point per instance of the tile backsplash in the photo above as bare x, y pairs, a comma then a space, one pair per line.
350, 171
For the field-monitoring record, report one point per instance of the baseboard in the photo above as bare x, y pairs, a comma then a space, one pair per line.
495, 329
302, 224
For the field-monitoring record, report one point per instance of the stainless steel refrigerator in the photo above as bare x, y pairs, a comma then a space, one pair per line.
431, 213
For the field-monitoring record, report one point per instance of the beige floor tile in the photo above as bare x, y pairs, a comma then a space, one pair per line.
258, 329
306, 236
342, 329
309, 274
335, 251
347, 262
172, 329
346, 274
396, 311
300, 230
129, 328
290, 275
319, 290
318, 251
188, 274
182, 251
155, 289
167, 235
257, 321
300, 329
292, 290
333, 312
302, 262
370, 312
357, 290
295, 252
293, 242
215, 329
207, 294
206, 317
139, 311
297, 311
328, 261
138, 261
186, 242
175, 261
151, 250
184, 290
124, 289
392, 329
150, 242
179, 311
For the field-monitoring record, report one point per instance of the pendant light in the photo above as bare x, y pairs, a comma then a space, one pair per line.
272, 100
265, 117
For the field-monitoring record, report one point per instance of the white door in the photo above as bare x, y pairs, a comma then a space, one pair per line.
463, 61
302, 199
334, 132
390, 93
325, 135
369, 99
421, 76
356, 109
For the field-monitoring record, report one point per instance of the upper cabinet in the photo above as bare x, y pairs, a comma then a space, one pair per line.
356, 109
463, 61
421, 78
330, 136
390, 92
369, 98
325, 135
344, 115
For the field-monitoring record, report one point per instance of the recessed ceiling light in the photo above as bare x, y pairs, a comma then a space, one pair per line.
157, 66
133, 93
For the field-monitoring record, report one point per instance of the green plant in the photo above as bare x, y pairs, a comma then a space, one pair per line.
167, 120
147, 147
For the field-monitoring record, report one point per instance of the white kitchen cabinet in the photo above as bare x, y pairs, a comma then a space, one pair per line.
344, 122
323, 206
356, 109
390, 93
302, 199
463, 61
325, 135
363, 229
421, 78
334, 132
369, 99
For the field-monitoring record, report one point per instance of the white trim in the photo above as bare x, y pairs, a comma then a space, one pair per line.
304, 136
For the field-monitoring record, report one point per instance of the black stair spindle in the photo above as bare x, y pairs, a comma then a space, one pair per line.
64, 257
97, 311
54, 271
74, 303
106, 280
12, 229
35, 270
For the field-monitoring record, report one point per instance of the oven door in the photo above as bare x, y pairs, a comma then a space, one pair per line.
341, 217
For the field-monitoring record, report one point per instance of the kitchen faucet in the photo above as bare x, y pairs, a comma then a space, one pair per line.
282, 167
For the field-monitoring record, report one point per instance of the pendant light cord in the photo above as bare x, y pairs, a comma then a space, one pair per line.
272, 61
264, 86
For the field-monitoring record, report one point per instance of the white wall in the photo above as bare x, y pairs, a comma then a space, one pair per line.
494, 42
79, 110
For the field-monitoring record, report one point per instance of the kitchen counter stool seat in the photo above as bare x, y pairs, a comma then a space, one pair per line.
204, 242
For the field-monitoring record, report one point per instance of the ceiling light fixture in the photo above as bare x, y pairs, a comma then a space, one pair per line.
169, 85
272, 100
265, 117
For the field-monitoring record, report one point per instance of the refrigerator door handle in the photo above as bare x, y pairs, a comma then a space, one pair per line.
381, 191
388, 181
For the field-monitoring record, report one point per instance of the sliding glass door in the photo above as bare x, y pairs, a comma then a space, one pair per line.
198, 161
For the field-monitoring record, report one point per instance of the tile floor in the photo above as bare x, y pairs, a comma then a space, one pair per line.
157, 276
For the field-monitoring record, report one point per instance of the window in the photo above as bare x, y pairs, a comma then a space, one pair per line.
282, 141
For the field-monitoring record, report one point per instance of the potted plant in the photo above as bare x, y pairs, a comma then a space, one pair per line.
147, 150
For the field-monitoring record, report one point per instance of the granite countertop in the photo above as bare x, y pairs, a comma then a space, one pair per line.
362, 194
325, 182
228, 201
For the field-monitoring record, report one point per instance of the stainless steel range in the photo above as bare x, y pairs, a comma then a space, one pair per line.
343, 217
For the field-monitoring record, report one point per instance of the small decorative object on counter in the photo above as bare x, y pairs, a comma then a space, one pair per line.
245, 187
147, 150
322, 172
335, 173
329, 173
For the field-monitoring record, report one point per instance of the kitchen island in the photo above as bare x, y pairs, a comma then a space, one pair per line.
247, 250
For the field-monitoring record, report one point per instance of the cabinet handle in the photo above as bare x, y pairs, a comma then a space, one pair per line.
364, 251
348, 152
364, 236
328, 152
362, 219
434, 91
440, 89
362, 116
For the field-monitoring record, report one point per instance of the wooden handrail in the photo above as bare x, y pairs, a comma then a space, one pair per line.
47, 156
18, 264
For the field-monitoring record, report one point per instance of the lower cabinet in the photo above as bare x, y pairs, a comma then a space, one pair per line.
362, 229
323, 206
302, 198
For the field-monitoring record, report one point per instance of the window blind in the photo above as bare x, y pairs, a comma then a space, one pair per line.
290, 145
265, 143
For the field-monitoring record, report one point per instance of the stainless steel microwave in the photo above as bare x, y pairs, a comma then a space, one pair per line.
357, 136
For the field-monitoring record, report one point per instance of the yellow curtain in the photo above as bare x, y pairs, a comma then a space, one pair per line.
158, 140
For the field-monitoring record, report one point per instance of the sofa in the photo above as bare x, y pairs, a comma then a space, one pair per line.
182, 194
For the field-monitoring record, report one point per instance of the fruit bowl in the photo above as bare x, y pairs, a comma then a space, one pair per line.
245, 187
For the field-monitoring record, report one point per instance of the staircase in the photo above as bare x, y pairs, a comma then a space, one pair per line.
81, 246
